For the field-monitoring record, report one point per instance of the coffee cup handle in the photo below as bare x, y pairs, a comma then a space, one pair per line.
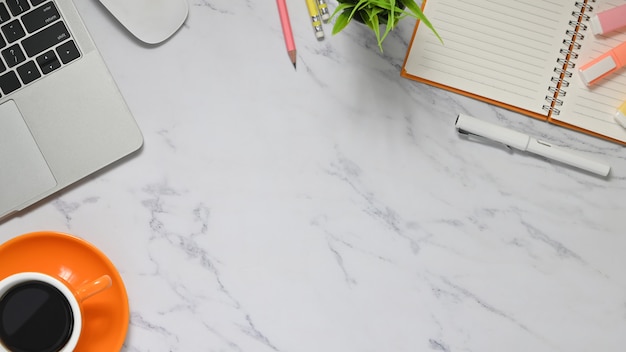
94, 287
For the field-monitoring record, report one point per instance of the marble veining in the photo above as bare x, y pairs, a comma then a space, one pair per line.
334, 207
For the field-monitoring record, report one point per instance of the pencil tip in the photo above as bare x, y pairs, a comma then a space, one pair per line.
292, 57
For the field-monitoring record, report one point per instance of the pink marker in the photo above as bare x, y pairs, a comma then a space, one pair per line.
609, 20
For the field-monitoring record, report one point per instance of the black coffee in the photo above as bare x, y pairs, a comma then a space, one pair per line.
35, 317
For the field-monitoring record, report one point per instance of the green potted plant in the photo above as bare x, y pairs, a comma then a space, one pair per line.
375, 13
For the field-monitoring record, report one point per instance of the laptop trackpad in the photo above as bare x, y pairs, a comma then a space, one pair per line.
24, 174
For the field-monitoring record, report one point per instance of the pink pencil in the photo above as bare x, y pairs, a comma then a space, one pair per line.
285, 23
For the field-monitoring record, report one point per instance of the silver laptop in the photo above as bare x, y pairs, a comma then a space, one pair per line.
62, 116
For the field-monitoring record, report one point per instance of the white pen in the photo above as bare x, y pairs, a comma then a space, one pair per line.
472, 126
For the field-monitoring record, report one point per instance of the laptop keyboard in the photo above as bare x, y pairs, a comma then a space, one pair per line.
34, 42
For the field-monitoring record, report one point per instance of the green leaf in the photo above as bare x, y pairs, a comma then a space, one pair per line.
361, 4
391, 18
374, 13
417, 12
341, 8
373, 23
341, 22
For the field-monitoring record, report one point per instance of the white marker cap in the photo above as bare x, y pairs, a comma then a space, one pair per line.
596, 27
620, 118
597, 70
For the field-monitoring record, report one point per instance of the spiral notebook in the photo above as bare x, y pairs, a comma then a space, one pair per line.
522, 55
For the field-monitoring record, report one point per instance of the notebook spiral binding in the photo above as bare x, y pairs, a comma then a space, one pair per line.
568, 52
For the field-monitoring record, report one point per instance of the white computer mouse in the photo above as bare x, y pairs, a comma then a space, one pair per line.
151, 21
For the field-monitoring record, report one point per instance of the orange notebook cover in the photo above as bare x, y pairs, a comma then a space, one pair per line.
522, 56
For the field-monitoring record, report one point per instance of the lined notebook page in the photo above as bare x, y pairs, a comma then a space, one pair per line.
593, 108
500, 49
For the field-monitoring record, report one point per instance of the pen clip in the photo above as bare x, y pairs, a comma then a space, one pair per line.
479, 138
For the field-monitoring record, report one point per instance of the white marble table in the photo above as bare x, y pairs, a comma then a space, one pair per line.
334, 208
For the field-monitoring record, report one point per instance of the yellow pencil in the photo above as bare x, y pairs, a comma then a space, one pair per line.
324, 12
315, 18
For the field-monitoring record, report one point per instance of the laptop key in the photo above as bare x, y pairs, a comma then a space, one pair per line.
18, 7
28, 72
13, 55
48, 62
45, 39
9, 82
37, 2
4, 13
68, 52
13, 31
40, 17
